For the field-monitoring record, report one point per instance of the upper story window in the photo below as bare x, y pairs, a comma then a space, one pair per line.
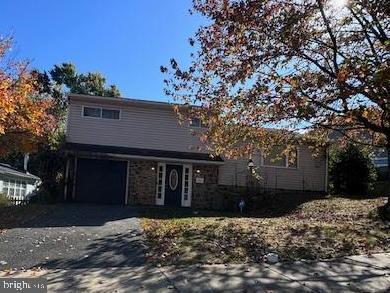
92, 112
277, 158
196, 122
97, 112
110, 114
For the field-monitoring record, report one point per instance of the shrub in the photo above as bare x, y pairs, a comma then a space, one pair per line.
43, 196
381, 188
4, 201
351, 171
48, 164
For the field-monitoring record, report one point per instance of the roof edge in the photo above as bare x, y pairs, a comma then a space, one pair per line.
123, 100
141, 152
12, 171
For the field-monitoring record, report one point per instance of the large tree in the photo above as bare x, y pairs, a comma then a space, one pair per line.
25, 118
34, 103
307, 66
64, 79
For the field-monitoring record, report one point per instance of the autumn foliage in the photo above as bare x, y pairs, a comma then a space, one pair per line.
318, 67
25, 119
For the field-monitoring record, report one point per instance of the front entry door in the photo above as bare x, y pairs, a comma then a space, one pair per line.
173, 185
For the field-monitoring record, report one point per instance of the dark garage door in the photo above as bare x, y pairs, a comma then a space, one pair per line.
101, 181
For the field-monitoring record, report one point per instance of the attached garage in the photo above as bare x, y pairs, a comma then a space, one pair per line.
100, 181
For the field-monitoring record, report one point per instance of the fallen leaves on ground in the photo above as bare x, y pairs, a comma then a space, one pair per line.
320, 229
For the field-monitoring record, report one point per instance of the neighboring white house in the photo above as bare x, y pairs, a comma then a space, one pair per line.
15, 184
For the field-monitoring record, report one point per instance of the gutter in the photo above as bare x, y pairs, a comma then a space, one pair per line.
147, 158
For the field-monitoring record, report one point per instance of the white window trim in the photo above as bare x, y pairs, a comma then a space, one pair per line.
21, 181
184, 203
160, 201
286, 166
187, 203
101, 113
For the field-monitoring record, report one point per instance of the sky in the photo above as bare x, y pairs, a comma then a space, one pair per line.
126, 40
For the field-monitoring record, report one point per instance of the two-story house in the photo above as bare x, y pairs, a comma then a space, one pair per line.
127, 151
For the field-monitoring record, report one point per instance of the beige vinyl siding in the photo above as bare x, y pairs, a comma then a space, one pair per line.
233, 172
156, 127
137, 127
310, 174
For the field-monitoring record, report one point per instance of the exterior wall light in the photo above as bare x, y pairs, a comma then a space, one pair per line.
153, 168
198, 171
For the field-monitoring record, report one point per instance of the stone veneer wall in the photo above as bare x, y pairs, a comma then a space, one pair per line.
142, 182
211, 195
142, 185
204, 195
207, 195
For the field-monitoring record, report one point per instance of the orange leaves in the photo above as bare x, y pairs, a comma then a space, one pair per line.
283, 64
24, 115
342, 75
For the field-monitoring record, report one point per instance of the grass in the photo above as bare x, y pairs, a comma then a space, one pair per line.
320, 229
15, 216
4, 201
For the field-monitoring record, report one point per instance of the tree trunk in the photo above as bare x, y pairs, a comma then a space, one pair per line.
388, 175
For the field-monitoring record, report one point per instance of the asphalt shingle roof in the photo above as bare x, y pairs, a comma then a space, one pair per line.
8, 170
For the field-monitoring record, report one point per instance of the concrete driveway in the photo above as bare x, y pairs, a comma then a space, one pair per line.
75, 236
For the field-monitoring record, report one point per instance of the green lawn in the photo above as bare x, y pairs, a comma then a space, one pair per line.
319, 229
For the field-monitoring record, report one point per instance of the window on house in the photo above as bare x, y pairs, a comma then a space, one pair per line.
92, 112
160, 181
14, 188
101, 113
277, 158
110, 114
292, 158
186, 182
196, 122
173, 179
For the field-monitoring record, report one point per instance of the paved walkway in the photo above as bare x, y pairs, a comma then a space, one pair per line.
350, 274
